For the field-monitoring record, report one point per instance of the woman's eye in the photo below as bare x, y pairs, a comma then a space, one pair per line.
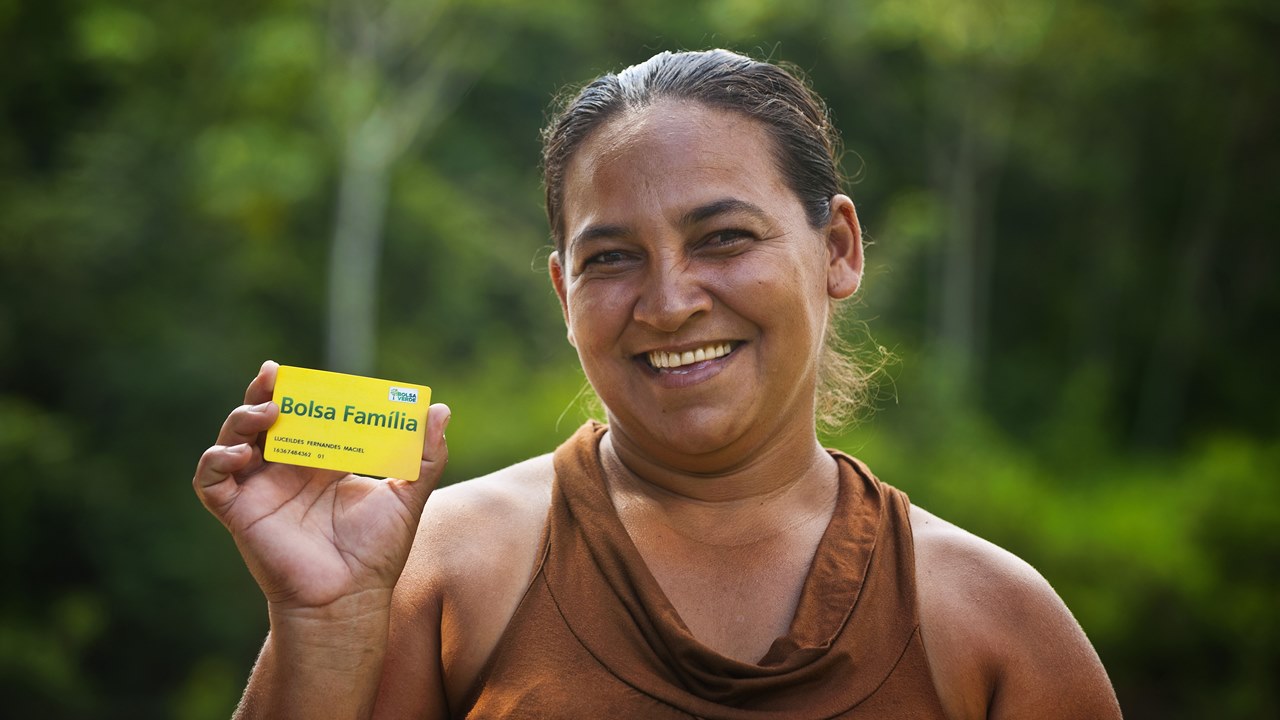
606, 258
611, 256
728, 238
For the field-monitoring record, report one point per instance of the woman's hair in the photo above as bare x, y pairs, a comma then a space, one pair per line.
805, 145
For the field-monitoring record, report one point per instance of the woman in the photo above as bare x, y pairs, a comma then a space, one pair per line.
701, 555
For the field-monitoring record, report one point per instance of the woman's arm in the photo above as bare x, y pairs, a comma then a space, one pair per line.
1000, 642
473, 559
320, 664
326, 548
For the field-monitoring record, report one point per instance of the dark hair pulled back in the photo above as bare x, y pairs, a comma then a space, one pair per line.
806, 148
805, 144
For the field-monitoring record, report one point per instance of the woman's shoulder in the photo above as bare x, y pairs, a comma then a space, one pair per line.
975, 586
511, 488
493, 519
474, 555
1000, 641
950, 554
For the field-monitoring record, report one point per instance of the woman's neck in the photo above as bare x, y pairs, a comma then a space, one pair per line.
780, 486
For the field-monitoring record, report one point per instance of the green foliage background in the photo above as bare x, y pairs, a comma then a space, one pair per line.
1073, 212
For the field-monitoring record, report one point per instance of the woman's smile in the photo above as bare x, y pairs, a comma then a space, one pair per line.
676, 369
679, 360
694, 288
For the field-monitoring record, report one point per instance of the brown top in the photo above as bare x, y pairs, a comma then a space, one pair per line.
594, 635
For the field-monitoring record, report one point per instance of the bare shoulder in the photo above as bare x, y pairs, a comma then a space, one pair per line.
1000, 642
482, 523
472, 559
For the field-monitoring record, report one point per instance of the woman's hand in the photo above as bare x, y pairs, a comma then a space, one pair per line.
312, 537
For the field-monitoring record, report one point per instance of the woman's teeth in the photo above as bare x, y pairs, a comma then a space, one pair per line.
668, 360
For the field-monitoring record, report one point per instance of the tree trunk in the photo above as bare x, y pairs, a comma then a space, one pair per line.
357, 249
968, 175
1166, 377
410, 55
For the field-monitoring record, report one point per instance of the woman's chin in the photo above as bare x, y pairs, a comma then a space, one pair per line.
687, 439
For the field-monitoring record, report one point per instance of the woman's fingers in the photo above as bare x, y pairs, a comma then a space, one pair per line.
435, 451
246, 422
234, 451
263, 385
435, 455
217, 465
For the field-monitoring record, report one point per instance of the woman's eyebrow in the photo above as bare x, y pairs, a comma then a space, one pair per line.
690, 218
597, 232
720, 207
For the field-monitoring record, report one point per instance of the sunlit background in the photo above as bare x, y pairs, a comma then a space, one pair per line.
1073, 209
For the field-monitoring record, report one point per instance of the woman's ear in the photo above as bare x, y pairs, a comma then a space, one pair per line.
558, 282
844, 247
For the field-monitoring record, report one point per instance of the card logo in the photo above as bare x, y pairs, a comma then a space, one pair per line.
403, 395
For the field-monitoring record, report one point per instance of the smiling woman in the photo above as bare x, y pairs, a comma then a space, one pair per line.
701, 554
805, 146
679, 240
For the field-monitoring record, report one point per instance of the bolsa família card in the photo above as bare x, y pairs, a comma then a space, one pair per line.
346, 422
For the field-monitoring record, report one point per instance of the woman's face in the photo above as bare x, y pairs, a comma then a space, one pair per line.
693, 287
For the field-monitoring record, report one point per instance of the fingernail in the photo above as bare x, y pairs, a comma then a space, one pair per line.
262, 407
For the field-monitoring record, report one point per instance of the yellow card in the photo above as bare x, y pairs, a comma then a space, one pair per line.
346, 422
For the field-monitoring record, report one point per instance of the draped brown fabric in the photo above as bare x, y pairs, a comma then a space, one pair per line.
595, 637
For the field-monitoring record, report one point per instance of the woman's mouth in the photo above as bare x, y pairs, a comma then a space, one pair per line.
664, 360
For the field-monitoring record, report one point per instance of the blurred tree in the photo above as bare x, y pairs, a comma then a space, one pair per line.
398, 70
1073, 252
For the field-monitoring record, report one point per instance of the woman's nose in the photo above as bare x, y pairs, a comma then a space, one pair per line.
671, 295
